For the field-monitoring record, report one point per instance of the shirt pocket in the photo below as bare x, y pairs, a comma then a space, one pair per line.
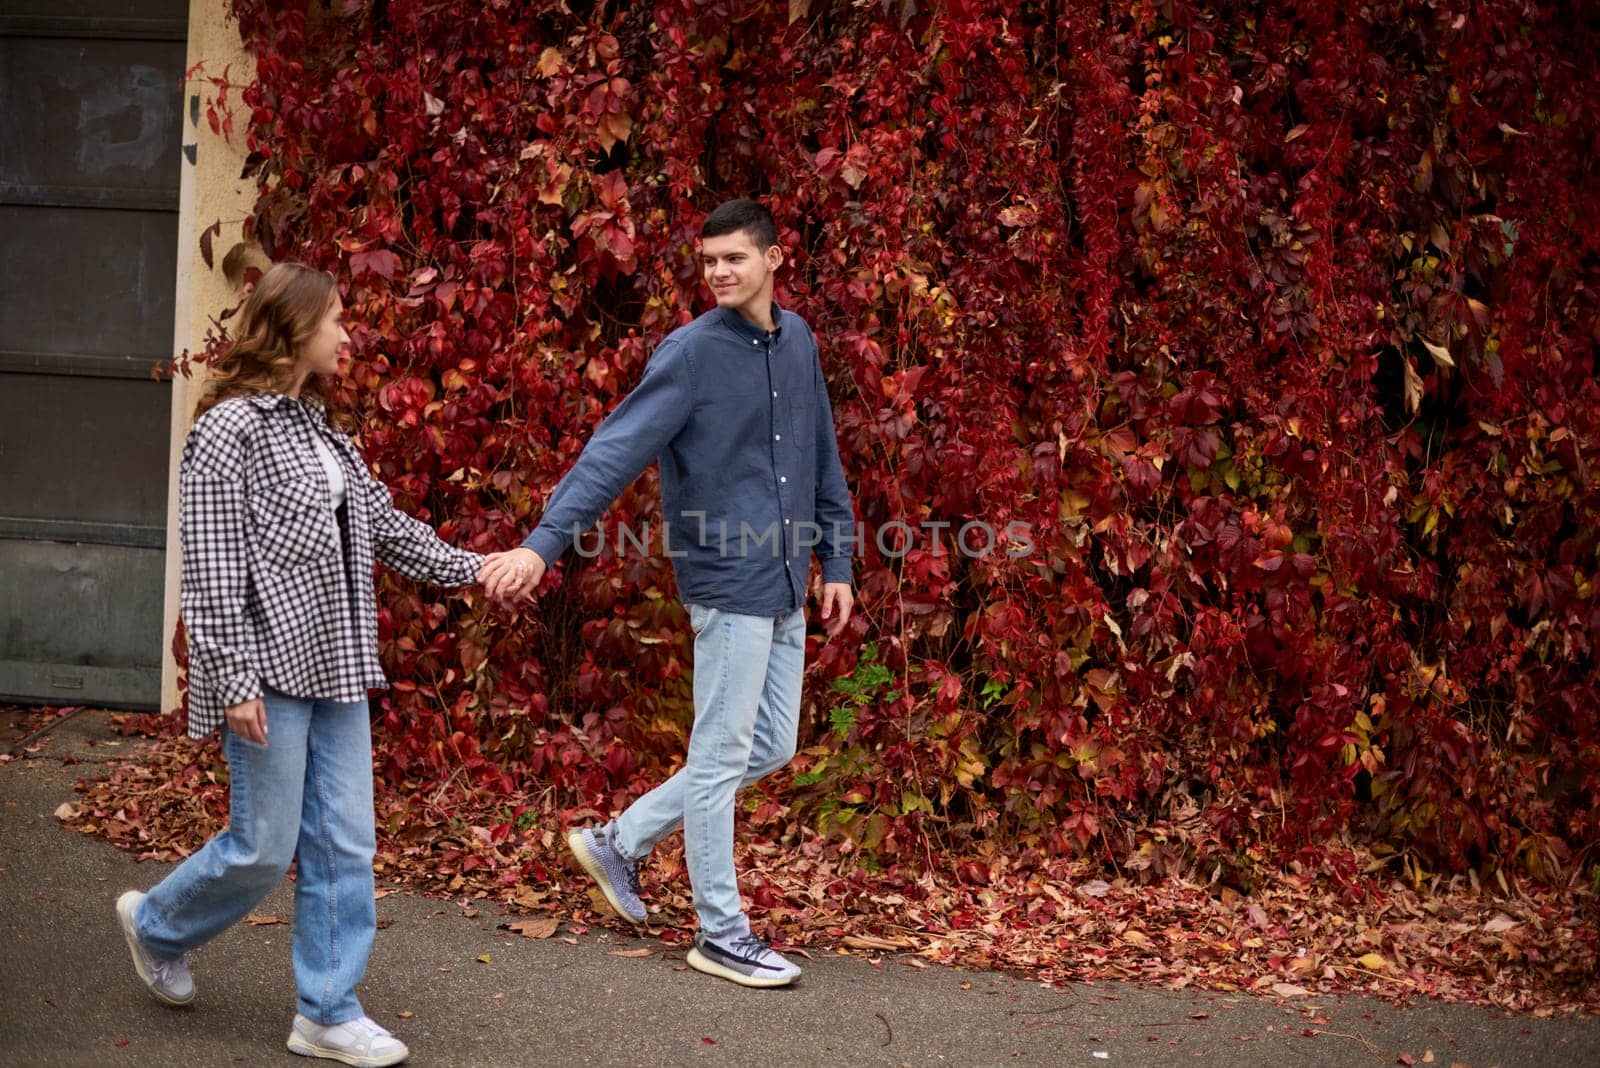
800, 409
292, 523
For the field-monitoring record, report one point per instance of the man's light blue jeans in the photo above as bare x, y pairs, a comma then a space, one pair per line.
747, 676
308, 794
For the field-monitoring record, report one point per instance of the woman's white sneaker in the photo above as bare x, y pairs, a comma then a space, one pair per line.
359, 1042
169, 981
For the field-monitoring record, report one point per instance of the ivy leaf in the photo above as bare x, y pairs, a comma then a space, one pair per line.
1413, 387
380, 262
207, 236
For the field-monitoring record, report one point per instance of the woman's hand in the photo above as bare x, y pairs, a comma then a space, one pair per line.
249, 720
512, 576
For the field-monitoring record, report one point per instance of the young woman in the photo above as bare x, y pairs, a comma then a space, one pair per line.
280, 522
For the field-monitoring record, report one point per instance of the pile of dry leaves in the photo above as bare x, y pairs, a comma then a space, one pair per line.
1522, 947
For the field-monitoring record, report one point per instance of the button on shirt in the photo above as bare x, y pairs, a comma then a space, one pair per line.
269, 597
751, 482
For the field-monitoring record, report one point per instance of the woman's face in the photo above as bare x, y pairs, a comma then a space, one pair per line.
320, 354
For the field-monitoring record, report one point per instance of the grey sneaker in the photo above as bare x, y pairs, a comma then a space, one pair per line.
742, 958
359, 1042
169, 980
617, 876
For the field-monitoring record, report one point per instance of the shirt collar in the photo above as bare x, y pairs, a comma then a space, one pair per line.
269, 401
746, 329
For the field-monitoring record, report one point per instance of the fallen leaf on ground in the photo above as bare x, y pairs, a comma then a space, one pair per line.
640, 952
540, 928
484, 958
264, 921
1519, 953
874, 942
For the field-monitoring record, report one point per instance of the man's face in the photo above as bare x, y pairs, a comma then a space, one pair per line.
739, 273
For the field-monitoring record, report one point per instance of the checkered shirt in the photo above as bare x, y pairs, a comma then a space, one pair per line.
268, 599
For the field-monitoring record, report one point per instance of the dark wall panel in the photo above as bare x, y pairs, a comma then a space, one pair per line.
92, 449
91, 119
103, 602
90, 157
121, 19
82, 281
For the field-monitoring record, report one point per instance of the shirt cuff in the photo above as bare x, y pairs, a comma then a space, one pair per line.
836, 569
237, 689
548, 543
471, 564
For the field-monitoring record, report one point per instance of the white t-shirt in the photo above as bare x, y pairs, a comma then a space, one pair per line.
330, 464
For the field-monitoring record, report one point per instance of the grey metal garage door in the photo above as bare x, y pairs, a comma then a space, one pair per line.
89, 154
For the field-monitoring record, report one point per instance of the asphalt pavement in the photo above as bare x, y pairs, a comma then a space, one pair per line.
462, 991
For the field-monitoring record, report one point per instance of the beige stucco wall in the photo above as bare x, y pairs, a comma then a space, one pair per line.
210, 190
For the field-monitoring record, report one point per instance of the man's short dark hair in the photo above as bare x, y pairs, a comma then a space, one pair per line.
732, 216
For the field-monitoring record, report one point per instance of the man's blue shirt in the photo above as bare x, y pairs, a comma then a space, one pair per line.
750, 476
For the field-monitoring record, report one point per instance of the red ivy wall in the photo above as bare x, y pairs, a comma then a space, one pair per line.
1275, 322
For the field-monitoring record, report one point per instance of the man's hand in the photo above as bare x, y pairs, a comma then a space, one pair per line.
837, 600
248, 719
512, 576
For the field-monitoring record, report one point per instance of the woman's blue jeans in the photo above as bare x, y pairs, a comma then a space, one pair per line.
307, 794
747, 676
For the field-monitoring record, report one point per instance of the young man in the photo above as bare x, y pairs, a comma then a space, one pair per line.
735, 409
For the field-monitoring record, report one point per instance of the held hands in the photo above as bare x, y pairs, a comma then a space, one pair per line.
248, 720
512, 576
837, 600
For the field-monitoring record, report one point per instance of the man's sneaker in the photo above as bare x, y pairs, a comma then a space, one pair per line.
617, 876
169, 980
360, 1042
743, 958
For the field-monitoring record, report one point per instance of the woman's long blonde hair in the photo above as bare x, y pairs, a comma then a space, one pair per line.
278, 317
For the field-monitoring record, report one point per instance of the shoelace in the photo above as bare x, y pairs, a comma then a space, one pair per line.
167, 969
751, 947
370, 1028
632, 872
